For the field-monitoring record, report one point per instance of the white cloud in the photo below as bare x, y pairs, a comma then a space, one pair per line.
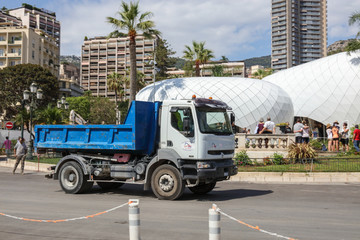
236, 29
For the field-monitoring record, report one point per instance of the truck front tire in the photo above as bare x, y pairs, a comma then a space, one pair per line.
166, 183
72, 178
203, 188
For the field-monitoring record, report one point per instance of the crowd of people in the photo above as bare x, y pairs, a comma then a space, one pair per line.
338, 137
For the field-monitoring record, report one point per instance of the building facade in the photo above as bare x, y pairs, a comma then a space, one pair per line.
102, 56
69, 83
20, 45
299, 32
38, 18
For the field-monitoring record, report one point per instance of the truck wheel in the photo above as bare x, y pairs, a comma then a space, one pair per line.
166, 183
109, 185
72, 178
203, 188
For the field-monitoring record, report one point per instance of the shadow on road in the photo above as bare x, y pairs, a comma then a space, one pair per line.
217, 194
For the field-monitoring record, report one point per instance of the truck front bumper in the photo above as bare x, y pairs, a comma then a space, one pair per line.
208, 171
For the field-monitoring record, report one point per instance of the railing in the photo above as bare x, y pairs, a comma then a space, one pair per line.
263, 142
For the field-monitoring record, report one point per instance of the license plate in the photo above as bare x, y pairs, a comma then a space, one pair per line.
226, 174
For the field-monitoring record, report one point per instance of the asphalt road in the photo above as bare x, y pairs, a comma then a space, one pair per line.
296, 211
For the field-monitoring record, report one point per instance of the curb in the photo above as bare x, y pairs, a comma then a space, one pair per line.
251, 177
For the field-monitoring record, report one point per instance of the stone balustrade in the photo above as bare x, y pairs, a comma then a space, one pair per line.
263, 142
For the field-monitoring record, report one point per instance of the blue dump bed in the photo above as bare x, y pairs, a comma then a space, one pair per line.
137, 135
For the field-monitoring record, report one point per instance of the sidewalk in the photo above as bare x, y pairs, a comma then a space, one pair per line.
251, 177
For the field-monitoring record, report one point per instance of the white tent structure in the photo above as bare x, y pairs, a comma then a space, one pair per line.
250, 99
325, 90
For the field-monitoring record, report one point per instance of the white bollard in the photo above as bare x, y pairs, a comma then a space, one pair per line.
134, 219
214, 223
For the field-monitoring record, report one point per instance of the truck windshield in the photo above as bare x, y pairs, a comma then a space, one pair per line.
213, 120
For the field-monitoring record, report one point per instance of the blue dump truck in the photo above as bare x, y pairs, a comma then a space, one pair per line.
166, 146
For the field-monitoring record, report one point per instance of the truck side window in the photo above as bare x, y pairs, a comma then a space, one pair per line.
177, 121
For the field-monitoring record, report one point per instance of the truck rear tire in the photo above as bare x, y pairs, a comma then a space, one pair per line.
109, 185
166, 183
72, 178
203, 188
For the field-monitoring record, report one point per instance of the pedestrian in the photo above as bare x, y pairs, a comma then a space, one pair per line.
298, 131
335, 136
329, 136
288, 128
305, 133
258, 129
356, 138
7, 144
20, 151
345, 137
269, 128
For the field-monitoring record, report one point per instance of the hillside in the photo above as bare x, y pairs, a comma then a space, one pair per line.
70, 59
264, 61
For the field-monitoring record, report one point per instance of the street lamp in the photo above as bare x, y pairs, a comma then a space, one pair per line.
31, 96
63, 103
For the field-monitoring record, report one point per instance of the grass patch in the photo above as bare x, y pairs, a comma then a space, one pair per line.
318, 165
45, 160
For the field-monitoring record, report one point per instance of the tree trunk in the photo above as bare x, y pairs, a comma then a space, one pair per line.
197, 68
132, 47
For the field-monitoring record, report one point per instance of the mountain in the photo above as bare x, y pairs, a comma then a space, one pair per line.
264, 61
70, 59
338, 46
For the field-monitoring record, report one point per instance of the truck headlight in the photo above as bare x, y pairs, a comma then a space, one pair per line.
203, 165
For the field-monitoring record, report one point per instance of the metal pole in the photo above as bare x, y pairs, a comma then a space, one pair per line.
29, 155
22, 118
134, 219
214, 223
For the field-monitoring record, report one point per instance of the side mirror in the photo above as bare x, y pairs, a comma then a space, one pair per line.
186, 124
232, 118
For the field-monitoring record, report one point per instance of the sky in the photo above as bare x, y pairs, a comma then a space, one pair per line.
237, 29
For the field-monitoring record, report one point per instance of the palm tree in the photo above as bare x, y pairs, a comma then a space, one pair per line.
355, 43
198, 53
133, 21
224, 59
49, 115
355, 18
115, 83
261, 73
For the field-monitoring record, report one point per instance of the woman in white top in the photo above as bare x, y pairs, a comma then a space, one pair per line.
329, 136
305, 133
345, 137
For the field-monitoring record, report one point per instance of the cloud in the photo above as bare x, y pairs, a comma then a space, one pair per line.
236, 29
228, 27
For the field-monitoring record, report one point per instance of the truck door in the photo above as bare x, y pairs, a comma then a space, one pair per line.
181, 132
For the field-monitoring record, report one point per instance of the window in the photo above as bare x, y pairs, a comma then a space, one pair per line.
33, 54
212, 120
178, 117
1, 63
2, 38
1, 52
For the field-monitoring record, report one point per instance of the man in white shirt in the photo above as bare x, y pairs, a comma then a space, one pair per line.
20, 151
269, 127
298, 131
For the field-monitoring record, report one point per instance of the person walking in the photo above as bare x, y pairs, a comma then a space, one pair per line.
305, 133
298, 131
345, 137
329, 136
335, 136
20, 151
7, 144
356, 138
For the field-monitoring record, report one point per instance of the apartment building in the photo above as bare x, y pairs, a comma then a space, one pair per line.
232, 68
299, 32
69, 83
102, 56
7, 20
20, 45
38, 18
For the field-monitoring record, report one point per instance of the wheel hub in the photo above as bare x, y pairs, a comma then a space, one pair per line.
72, 177
166, 183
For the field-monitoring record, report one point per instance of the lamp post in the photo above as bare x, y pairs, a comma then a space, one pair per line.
62, 103
31, 96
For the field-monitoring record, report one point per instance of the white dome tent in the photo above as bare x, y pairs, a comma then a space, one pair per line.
325, 90
250, 99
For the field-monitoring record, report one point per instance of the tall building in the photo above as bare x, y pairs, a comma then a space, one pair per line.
38, 18
101, 56
69, 82
20, 45
299, 32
